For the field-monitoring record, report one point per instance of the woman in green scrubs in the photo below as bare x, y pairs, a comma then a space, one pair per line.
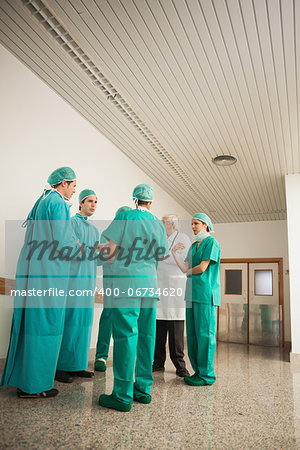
202, 295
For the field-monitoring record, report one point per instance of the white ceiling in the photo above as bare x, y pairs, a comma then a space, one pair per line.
201, 78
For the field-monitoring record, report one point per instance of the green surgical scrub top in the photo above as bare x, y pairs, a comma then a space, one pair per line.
143, 239
204, 287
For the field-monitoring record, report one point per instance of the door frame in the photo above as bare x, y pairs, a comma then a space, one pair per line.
280, 282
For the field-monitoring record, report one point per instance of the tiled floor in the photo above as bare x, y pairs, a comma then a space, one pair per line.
255, 403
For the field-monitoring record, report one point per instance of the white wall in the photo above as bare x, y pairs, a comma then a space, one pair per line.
292, 183
40, 132
258, 240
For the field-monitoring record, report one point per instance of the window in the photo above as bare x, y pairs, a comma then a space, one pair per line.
263, 282
233, 282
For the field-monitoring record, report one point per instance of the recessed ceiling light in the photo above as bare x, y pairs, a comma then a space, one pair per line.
224, 160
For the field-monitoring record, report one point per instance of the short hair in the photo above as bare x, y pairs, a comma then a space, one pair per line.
173, 219
58, 184
142, 202
82, 201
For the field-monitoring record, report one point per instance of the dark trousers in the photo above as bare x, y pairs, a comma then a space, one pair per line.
176, 342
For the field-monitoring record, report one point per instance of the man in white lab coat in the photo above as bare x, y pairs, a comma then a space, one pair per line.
171, 308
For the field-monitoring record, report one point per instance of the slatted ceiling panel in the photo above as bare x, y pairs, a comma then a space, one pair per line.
261, 108
122, 65
180, 117
225, 79
154, 169
249, 71
287, 18
221, 51
176, 91
206, 77
206, 61
176, 114
190, 95
261, 122
273, 160
133, 157
189, 28
75, 89
242, 97
199, 86
262, 23
288, 29
205, 188
275, 24
214, 90
199, 121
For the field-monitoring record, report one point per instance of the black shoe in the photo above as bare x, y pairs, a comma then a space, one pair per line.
63, 376
157, 368
44, 394
83, 374
182, 372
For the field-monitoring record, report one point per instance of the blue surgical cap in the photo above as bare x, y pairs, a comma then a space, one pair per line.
85, 193
143, 192
122, 209
60, 174
204, 218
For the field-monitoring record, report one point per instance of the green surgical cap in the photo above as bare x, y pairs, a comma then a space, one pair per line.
122, 209
143, 192
60, 174
85, 193
204, 218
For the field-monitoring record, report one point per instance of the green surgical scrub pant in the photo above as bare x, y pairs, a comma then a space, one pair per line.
104, 333
201, 339
134, 328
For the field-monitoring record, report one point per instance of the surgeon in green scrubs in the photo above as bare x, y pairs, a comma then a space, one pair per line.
75, 346
202, 296
38, 321
105, 322
137, 240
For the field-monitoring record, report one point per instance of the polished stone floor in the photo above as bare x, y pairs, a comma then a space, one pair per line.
255, 404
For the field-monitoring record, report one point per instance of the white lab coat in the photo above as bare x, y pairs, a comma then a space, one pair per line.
170, 278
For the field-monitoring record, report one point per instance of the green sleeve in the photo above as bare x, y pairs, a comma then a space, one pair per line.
115, 231
211, 251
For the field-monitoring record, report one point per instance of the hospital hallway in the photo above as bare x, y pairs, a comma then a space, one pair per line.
255, 403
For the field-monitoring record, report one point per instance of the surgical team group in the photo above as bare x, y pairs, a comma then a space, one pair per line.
141, 257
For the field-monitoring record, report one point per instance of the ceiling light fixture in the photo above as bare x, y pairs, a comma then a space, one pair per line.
224, 160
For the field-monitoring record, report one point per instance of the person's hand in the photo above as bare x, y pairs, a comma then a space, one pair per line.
101, 247
179, 246
189, 272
